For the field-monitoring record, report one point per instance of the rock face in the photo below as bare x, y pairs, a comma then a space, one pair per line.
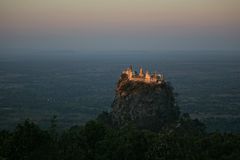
147, 105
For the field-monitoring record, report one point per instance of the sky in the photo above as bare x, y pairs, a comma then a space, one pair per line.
120, 24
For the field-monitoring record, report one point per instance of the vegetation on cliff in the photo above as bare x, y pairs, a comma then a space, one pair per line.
147, 105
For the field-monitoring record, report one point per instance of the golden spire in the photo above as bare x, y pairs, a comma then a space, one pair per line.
147, 77
141, 72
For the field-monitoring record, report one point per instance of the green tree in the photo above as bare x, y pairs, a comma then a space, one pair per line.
29, 142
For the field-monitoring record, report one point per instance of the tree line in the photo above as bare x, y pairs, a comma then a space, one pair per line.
97, 141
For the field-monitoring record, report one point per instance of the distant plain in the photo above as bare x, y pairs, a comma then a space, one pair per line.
78, 85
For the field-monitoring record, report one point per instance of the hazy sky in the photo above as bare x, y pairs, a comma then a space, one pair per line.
120, 24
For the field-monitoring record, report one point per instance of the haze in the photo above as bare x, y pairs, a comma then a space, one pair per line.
120, 24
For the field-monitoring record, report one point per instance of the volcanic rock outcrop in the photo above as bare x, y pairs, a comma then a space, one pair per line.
146, 105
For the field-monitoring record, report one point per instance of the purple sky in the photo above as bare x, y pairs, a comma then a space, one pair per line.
120, 25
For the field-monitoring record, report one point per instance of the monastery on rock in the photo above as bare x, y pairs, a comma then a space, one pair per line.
143, 77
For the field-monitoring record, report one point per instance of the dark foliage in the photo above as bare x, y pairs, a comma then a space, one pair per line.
96, 141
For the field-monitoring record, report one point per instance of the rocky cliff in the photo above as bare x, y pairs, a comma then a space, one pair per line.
147, 105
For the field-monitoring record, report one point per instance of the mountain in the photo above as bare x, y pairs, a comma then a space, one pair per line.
145, 100
147, 105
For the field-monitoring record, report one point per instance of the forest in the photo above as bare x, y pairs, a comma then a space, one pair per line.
98, 141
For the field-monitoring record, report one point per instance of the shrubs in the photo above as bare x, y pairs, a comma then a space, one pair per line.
96, 141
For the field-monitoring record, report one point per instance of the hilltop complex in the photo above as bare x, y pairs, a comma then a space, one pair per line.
143, 77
